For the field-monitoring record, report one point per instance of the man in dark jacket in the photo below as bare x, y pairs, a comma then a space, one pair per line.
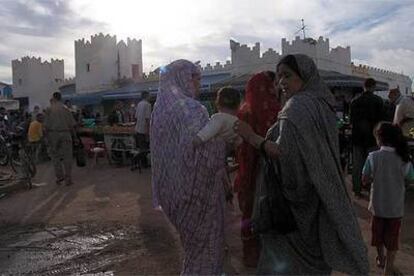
366, 111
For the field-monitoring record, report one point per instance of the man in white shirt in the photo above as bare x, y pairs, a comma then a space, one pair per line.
404, 110
143, 117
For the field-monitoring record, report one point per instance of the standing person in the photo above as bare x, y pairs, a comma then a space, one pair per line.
36, 110
221, 126
4, 121
117, 116
365, 112
143, 117
388, 171
187, 182
72, 109
60, 128
35, 136
304, 142
131, 112
404, 111
119, 112
259, 110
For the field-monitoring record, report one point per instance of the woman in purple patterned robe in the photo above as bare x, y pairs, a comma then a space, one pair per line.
187, 181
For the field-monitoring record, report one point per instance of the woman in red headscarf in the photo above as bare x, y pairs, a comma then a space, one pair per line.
259, 110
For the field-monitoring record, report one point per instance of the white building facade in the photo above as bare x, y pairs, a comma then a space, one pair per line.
102, 61
248, 60
36, 80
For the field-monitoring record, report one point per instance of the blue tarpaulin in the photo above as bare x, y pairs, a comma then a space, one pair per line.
133, 91
86, 99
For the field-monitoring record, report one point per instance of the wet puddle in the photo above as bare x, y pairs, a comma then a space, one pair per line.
75, 249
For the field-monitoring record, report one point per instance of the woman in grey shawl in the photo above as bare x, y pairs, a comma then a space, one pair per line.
305, 141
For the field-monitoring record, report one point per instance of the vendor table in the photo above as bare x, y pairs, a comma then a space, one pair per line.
119, 141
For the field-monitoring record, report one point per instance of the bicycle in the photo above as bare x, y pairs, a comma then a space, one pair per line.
14, 151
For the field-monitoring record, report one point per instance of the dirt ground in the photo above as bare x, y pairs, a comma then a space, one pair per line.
104, 224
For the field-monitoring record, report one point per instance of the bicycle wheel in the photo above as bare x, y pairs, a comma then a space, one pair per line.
15, 161
4, 156
25, 162
31, 167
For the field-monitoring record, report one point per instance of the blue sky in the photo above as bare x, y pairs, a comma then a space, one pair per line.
380, 32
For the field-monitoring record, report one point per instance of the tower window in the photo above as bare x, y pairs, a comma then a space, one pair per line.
20, 81
88, 67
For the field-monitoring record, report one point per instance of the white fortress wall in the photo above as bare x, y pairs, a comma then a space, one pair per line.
96, 63
247, 60
337, 59
36, 79
393, 79
101, 61
130, 59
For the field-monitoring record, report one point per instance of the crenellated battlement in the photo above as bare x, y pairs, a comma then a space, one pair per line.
133, 42
103, 59
37, 79
69, 81
308, 40
362, 68
244, 59
316, 48
218, 66
97, 39
271, 54
234, 46
35, 60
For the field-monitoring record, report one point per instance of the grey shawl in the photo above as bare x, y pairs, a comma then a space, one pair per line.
328, 236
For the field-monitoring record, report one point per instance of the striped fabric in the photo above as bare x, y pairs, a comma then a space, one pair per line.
328, 236
187, 182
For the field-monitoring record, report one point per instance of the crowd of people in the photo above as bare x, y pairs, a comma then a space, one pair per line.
289, 154
284, 138
51, 133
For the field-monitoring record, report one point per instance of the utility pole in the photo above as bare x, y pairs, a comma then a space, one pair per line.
302, 29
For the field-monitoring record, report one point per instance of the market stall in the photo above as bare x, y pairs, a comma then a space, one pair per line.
118, 140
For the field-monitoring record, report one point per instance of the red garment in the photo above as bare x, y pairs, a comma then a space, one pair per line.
386, 232
259, 110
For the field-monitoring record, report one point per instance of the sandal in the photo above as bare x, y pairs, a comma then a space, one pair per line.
380, 262
59, 181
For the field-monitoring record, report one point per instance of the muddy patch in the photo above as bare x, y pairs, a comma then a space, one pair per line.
70, 249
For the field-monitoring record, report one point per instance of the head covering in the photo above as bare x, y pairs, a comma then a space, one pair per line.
186, 182
176, 81
260, 104
312, 180
314, 86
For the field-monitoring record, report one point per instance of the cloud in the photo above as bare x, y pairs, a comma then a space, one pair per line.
42, 28
379, 32
44, 18
387, 44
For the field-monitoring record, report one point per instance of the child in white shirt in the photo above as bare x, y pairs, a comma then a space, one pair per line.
221, 124
388, 171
